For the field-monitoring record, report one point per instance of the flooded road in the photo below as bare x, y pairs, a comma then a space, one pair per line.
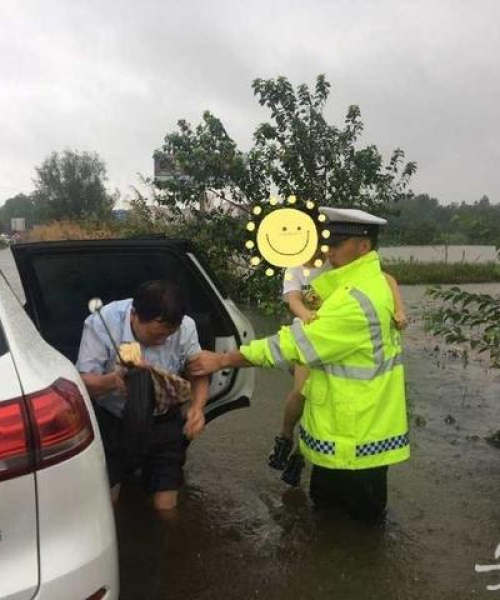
241, 533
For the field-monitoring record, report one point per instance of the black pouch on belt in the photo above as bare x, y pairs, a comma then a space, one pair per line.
138, 415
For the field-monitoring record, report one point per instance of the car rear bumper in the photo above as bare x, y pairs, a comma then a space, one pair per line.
83, 582
78, 550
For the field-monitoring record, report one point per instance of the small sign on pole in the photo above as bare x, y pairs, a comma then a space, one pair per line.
166, 168
18, 224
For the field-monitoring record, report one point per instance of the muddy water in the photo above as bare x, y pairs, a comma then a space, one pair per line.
240, 533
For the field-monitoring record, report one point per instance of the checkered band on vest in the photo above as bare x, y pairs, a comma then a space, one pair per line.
392, 443
320, 446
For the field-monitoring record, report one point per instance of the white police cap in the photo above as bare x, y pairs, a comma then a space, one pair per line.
351, 222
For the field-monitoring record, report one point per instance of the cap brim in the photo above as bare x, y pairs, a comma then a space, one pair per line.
336, 238
352, 229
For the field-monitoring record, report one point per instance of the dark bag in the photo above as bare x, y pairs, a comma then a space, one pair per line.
138, 415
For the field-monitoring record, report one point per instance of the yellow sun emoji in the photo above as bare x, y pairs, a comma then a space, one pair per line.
286, 237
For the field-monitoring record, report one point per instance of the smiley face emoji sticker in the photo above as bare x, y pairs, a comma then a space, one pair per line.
287, 237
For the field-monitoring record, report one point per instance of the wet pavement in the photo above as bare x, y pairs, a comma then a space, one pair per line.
241, 533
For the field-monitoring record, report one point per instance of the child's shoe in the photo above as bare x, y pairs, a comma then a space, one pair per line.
293, 469
278, 457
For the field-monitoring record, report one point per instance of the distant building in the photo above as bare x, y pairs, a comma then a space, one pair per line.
120, 214
18, 224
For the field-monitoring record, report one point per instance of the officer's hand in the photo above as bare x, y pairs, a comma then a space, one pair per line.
195, 423
204, 363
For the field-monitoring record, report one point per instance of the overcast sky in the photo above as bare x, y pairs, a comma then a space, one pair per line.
115, 76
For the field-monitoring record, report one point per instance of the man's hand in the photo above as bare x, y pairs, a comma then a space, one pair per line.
118, 380
204, 363
98, 385
195, 422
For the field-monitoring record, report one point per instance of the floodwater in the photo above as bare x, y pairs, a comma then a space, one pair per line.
450, 254
241, 533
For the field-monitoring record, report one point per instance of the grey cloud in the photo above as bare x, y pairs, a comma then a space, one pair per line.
115, 76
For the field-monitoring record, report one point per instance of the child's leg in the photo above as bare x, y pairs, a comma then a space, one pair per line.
293, 412
283, 443
399, 309
295, 402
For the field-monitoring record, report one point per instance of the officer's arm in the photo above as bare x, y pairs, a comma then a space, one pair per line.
328, 340
206, 362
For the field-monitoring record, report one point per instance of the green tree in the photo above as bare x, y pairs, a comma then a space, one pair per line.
20, 206
313, 159
211, 185
208, 196
296, 152
207, 171
71, 185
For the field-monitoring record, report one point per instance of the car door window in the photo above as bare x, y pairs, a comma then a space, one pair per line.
65, 283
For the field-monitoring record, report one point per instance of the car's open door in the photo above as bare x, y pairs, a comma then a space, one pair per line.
59, 278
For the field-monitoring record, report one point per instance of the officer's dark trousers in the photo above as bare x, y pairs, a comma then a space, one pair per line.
362, 493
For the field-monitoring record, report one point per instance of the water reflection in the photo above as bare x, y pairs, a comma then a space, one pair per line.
240, 533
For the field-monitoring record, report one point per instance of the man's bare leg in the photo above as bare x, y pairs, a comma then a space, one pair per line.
165, 504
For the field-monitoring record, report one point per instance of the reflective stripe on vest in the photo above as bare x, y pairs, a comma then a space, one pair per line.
381, 364
321, 446
392, 443
368, 449
274, 347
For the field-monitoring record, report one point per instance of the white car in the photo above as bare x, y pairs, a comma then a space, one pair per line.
57, 536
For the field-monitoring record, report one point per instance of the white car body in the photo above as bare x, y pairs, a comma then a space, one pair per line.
58, 537
57, 532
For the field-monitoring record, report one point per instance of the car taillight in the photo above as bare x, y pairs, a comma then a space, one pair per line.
60, 428
15, 458
60, 421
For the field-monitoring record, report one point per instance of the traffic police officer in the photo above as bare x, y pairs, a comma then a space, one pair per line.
354, 422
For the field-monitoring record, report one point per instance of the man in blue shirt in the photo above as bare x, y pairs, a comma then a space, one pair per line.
155, 318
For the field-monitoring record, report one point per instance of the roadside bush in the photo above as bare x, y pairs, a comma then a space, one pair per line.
465, 318
70, 230
414, 273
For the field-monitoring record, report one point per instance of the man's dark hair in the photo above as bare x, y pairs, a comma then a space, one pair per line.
159, 301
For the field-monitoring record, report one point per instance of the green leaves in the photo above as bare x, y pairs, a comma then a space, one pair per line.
295, 151
313, 159
466, 318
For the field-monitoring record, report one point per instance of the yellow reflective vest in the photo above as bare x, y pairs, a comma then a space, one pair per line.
355, 413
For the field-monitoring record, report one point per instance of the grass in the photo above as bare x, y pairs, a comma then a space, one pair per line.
413, 273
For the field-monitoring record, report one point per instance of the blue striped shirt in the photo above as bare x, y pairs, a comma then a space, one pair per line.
97, 354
